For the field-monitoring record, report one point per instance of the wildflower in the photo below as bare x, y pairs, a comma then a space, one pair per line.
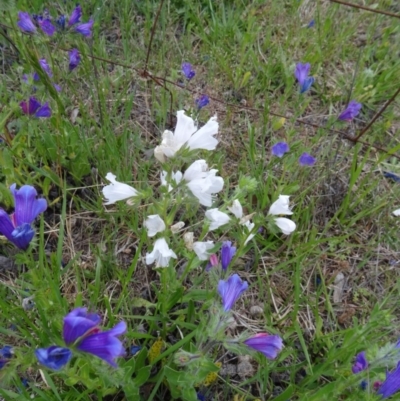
187, 134
85, 29
360, 364
154, 225
237, 210
201, 249
394, 177
202, 182
75, 15
35, 108
161, 254
217, 218
212, 262
230, 290
46, 26
6, 353
17, 227
351, 111
396, 212
301, 73
188, 71
279, 149
392, 383
311, 24
227, 253
202, 101
306, 160
267, 344
74, 59
53, 357
46, 68
281, 206
117, 191
60, 22
25, 23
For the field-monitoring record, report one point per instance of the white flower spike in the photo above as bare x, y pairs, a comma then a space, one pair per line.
236, 209
287, 226
217, 218
280, 206
201, 249
161, 254
187, 134
154, 225
117, 191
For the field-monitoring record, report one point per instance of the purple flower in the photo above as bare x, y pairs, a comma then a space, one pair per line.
53, 357
230, 290
360, 363
351, 111
269, 345
311, 24
301, 73
17, 227
75, 15
306, 160
74, 59
227, 253
279, 149
188, 71
202, 101
6, 353
47, 27
392, 383
25, 23
35, 108
45, 66
60, 22
85, 29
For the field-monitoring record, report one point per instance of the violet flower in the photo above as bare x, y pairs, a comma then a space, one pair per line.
230, 290
306, 160
6, 354
202, 101
360, 363
46, 68
25, 23
311, 24
265, 343
227, 253
351, 111
53, 357
46, 26
301, 73
74, 59
17, 227
279, 149
188, 71
75, 15
392, 383
34, 108
60, 22
85, 29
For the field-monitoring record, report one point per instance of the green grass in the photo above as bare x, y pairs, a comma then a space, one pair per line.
108, 117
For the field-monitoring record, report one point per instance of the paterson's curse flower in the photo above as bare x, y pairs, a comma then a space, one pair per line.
161, 254
74, 59
216, 218
187, 134
188, 71
301, 73
227, 253
25, 23
46, 26
17, 227
154, 224
202, 101
360, 363
85, 29
75, 15
230, 290
6, 354
267, 344
306, 160
351, 111
53, 357
281, 206
201, 249
34, 108
392, 383
279, 149
117, 191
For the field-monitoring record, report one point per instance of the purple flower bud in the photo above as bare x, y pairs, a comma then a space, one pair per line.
47, 27
74, 59
6, 352
45, 66
267, 344
75, 15
58, 89
30, 107
392, 383
279, 149
306, 160
60, 22
202, 101
351, 111
301, 73
53, 357
360, 363
25, 23
227, 253
311, 24
188, 71
230, 290
44, 111
85, 29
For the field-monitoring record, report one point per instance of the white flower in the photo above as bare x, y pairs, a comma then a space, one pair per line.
250, 227
236, 209
280, 206
117, 191
186, 133
396, 212
217, 218
177, 177
201, 248
287, 226
154, 225
203, 183
161, 254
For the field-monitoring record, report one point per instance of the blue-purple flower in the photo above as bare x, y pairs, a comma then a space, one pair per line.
351, 111
392, 383
85, 29
6, 354
265, 343
227, 253
53, 357
46, 26
188, 70
301, 73
25, 23
202, 101
230, 290
279, 149
360, 363
311, 24
17, 227
34, 108
75, 15
307, 160
74, 59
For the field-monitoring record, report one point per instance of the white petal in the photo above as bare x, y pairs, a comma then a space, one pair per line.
249, 225
117, 191
185, 127
280, 206
154, 225
169, 145
161, 254
236, 209
197, 169
396, 212
286, 226
204, 137
159, 154
217, 218
201, 248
